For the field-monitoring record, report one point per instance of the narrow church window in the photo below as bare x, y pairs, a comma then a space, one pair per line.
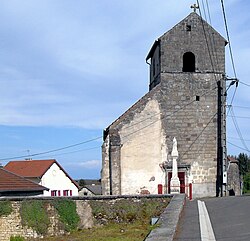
197, 98
188, 62
188, 27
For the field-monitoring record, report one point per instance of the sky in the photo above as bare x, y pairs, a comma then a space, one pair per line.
68, 69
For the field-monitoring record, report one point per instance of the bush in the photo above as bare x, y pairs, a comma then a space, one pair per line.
34, 215
17, 238
246, 183
67, 213
5, 208
127, 210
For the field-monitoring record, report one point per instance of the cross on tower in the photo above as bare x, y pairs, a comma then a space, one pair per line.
195, 7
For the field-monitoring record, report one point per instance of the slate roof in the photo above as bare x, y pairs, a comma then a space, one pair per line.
12, 182
95, 189
85, 182
33, 168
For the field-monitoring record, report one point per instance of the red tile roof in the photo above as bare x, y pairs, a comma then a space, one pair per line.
33, 168
12, 182
29, 168
232, 159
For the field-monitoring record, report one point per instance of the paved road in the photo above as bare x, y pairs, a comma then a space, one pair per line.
229, 216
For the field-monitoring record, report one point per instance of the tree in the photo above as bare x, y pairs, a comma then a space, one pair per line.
244, 168
244, 163
246, 183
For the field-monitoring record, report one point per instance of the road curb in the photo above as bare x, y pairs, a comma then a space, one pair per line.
168, 220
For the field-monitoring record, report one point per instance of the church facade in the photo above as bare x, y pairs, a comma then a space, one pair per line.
186, 64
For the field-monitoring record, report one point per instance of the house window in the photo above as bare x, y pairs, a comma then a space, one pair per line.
53, 193
70, 192
188, 62
65, 192
59, 193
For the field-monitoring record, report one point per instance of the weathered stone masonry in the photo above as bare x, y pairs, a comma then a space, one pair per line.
10, 225
185, 65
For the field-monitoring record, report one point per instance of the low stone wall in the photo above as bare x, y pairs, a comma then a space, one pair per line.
11, 225
168, 220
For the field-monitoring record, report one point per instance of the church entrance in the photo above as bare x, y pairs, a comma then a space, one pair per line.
181, 176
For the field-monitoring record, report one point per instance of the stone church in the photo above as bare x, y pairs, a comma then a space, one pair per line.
185, 65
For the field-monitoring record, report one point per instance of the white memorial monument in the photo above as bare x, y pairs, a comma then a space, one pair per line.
175, 181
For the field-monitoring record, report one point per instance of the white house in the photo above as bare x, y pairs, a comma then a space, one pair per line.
47, 173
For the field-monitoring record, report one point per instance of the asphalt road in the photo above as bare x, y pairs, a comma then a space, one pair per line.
229, 216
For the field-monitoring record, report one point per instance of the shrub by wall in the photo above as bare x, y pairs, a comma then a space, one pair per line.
67, 213
5, 208
34, 215
17, 238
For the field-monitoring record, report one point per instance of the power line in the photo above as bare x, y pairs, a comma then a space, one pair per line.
238, 129
72, 152
50, 151
230, 49
163, 117
243, 107
240, 117
84, 142
235, 138
209, 16
199, 135
229, 42
244, 149
244, 83
206, 39
213, 40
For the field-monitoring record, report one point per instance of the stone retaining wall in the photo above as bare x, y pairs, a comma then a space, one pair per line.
11, 225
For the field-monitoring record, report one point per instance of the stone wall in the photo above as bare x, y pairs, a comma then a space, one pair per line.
143, 146
189, 104
233, 179
134, 149
11, 224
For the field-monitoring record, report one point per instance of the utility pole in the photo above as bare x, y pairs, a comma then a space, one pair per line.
219, 181
222, 106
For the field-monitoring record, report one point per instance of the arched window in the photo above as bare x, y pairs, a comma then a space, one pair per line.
188, 62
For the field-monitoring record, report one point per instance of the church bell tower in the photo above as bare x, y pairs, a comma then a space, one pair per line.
187, 70
190, 47
188, 64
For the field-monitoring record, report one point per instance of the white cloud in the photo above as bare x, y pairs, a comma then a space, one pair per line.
83, 64
91, 164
